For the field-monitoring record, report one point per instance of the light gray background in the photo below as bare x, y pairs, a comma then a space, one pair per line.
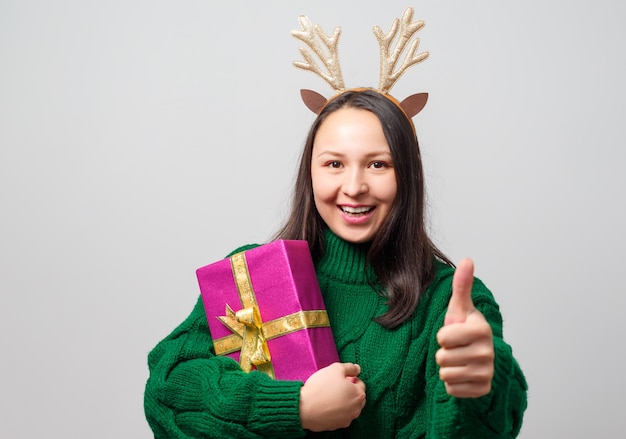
140, 140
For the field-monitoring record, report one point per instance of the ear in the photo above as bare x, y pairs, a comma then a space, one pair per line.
313, 100
414, 103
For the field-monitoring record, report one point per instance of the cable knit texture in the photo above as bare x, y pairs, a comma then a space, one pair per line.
193, 394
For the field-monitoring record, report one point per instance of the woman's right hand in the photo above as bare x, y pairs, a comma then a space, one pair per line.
332, 397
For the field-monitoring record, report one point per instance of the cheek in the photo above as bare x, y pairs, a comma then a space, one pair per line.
388, 190
321, 188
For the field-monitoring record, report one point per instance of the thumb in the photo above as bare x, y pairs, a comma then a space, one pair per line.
351, 369
461, 304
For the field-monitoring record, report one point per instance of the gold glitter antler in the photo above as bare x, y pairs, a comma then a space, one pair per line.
330, 59
408, 29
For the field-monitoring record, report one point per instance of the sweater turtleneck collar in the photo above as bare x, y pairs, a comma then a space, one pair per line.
344, 260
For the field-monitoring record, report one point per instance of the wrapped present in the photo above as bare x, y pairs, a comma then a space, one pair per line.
265, 309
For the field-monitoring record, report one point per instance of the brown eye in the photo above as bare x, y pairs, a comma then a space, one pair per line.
379, 165
334, 164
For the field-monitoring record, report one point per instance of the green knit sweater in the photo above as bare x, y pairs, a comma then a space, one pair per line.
193, 394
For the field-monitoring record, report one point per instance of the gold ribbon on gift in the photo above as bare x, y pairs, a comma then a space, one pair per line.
250, 333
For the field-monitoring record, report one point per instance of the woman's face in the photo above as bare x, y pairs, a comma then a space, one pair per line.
354, 182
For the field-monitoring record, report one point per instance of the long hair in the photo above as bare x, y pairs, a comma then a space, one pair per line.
401, 253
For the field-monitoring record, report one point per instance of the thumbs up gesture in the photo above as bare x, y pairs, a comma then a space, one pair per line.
466, 355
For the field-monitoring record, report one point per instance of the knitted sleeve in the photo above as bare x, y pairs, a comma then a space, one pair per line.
192, 393
496, 415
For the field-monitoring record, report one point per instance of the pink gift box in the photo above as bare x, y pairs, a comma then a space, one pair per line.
278, 280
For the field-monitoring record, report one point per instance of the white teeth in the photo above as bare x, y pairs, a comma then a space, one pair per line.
354, 210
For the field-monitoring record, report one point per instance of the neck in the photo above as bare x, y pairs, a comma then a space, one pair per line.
345, 260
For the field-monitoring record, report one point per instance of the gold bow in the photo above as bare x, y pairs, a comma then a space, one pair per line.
250, 333
247, 325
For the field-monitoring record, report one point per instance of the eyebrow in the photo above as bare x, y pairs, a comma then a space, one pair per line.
371, 154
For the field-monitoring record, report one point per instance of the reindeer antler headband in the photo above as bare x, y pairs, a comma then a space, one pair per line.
389, 58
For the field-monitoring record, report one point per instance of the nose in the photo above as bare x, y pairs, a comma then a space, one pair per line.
354, 183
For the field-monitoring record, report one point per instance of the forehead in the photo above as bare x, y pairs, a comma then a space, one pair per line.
348, 127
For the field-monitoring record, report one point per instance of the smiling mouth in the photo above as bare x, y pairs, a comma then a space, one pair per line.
356, 211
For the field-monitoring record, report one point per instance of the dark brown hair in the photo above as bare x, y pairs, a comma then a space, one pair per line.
401, 253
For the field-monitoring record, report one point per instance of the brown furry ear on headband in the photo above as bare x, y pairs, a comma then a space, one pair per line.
414, 104
411, 105
313, 100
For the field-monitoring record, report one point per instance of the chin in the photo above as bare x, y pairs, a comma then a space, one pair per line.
356, 238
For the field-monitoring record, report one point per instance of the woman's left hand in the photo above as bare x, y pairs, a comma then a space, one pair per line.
466, 356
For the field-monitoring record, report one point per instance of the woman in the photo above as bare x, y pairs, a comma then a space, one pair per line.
421, 347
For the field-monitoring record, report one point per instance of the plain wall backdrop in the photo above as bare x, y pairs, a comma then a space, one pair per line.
140, 140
